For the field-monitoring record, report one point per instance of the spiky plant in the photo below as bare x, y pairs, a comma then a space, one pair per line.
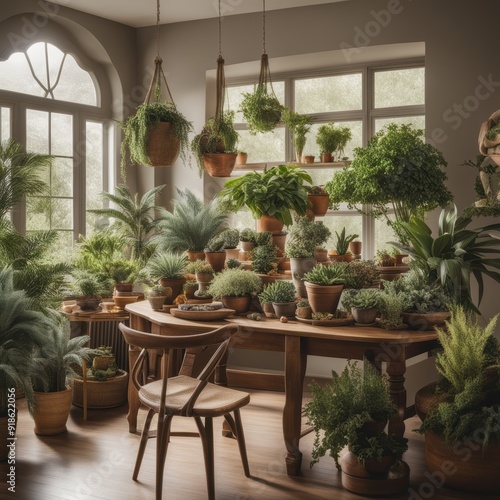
192, 224
22, 329
20, 174
58, 357
167, 265
134, 219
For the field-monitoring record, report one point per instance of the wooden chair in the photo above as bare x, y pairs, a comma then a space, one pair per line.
186, 396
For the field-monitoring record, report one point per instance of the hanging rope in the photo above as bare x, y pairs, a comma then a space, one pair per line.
265, 72
221, 80
264, 26
155, 87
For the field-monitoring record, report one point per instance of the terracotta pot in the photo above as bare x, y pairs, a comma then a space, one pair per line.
391, 273
268, 310
355, 247
323, 298
428, 321
52, 411
219, 164
326, 158
163, 146
88, 303
364, 316
175, 284
268, 223
216, 260
232, 253
308, 159
194, 256
299, 267
156, 303
103, 362
240, 304
347, 257
399, 259
427, 399
269, 278
189, 291
247, 246
473, 469
124, 287
321, 255
318, 203
284, 309
304, 312
279, 240
241, 158
284, 265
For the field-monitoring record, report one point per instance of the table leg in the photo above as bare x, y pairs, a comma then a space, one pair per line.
396, 369
295, 369
133, 395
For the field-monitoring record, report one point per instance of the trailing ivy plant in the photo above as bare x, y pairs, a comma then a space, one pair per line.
261, 110
396, 170
136, 128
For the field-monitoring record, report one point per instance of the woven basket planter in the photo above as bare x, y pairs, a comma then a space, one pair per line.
106, 394
162, 146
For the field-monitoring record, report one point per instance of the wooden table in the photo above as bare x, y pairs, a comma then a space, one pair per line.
297, 340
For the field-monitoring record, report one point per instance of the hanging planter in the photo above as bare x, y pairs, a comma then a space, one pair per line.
215, 147
157, 133
262, 109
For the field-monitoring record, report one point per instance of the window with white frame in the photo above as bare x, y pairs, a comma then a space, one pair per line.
364, 100
51, 104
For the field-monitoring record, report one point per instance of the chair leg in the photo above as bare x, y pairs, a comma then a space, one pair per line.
143, 443
237, 428
207, 440
162, 440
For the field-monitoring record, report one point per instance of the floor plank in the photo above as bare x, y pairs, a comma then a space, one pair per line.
94, 460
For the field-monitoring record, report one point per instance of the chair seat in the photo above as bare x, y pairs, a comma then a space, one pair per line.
214, 400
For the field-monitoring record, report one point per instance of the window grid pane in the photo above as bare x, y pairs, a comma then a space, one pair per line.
400, 87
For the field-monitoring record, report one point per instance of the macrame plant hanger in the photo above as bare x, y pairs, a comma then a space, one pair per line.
221, 79
163, 146
265, 72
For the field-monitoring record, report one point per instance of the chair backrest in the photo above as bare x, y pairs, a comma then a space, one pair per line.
218, 338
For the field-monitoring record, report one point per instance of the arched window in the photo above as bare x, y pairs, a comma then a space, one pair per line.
50, 103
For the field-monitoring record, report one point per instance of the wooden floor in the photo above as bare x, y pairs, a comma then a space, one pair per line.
94, 460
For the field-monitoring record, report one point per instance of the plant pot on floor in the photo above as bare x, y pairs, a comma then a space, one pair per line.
52, 411
323, 298
219, 164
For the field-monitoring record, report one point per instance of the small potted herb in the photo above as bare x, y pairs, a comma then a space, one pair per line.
304, 310
363, 304
341, 245
282, 295
331, 139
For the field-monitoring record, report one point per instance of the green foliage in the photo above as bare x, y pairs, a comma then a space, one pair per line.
167, 265
275, 192
263, 238
279, 291
338, 410
199, 266
261, 110
343, 240
86, 284
457, 253
235, 283
264, 259
331, 138
384, 258
493, 132
248, 234
156, 290
217, 136
397, 170
231, 238
377, 447
299, 126
233, 264
22, 330
136, 127
391, 305
366, 298
133, 219
303, 303
304, 236
216, 244
192, 224
327, 275
361, 274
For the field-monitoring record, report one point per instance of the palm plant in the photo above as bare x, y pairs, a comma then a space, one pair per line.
22, 329
192, 224
167, 265
455, 254
134, 219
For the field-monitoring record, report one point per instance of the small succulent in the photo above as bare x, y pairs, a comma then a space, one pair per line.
327, 275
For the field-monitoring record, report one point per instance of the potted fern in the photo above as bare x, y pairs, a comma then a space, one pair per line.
169, 267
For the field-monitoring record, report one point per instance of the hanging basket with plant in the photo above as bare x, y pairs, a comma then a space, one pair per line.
215, 146
157, 132
261, 108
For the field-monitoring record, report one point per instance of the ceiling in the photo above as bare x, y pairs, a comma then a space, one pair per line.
139, 13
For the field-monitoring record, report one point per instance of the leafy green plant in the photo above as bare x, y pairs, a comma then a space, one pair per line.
331, 138
377, 447
199, 266
304, 236
261, 110
299, 126
136, 127
235, 283
263, 238
391, 305
279, 291
231, 238
248, 234
384, 258
473, 384
361, 274
303, 303
134, 219
233, 263
275, 192
264, 259
338, 410
156, 290
217, 136
366, 298
342, 241
167, 265
326, 275
396, 170
192, 223
216, 244
455, 255
86, 284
